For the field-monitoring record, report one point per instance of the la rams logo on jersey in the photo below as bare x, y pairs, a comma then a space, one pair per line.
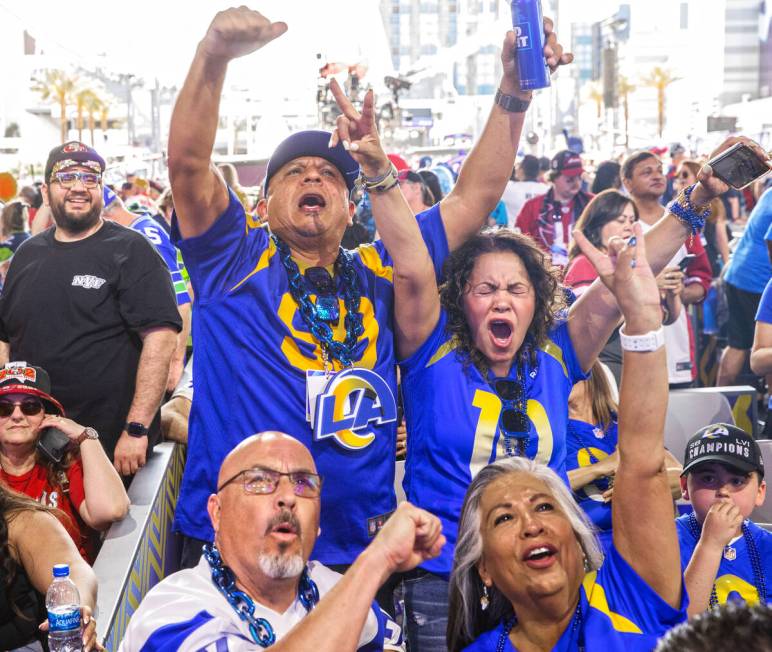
352, 399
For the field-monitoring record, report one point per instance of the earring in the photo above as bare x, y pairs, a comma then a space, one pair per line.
586, 565
485, 599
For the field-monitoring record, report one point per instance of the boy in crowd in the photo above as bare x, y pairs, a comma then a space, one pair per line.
725, 556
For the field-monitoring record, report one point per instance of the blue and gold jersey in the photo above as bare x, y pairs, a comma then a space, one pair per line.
252, 350
735, 579
147, 226
619, 613
587, 444
453, 423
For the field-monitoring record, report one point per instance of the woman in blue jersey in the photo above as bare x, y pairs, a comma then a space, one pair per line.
591, 449
528, 573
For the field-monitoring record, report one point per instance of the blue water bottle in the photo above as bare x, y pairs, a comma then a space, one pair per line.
528, 25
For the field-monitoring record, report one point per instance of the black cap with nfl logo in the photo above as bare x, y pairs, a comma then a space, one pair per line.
726, 444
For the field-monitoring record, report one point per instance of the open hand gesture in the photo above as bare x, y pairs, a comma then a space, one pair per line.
625, 271
239, 31
358, 133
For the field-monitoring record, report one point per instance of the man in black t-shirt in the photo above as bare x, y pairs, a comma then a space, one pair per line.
93, 303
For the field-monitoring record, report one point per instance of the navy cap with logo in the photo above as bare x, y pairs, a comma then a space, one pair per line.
725, 444
567, 163
71, 154
21, 378
312, 143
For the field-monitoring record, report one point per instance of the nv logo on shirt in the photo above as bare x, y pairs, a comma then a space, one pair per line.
88, 281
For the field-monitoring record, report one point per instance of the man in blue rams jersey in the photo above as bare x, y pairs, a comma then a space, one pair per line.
300, 330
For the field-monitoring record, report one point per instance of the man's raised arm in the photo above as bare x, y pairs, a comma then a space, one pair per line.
410, 537
199, 191
488, 167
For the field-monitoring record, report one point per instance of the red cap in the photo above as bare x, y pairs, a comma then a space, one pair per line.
568, 163
398, 161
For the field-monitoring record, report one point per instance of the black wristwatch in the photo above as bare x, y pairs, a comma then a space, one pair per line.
511, 103
136, 429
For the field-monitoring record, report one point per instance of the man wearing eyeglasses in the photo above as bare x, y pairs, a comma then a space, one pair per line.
93, 303
255, 582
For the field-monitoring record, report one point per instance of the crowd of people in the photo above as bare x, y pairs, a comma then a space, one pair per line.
511, 328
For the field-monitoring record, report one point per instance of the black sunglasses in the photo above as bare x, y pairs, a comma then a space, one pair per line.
513, 422
29, 407
326, 298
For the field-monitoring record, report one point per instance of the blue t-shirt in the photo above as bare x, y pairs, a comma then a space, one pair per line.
620, 612
749, 267
147, 226
453, 423
587, 444
251, 353
764, 313
734, 579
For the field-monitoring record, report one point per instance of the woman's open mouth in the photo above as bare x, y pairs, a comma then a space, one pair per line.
501, 332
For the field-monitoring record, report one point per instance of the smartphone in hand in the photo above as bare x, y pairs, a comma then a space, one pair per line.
53, 444
739, 166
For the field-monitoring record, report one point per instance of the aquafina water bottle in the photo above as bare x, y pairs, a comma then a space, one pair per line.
63, 606
529, 34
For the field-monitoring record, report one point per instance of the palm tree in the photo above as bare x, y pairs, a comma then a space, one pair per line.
103, 115
89, 101
57, 87
625, 88
660, 78
596, 95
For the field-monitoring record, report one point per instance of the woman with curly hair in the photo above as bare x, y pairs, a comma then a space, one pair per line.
31, 542
81, 484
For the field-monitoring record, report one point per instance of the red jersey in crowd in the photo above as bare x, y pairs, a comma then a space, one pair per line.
549, 222
35, 484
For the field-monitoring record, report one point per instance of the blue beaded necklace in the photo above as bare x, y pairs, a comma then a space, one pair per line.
576, 625
259, 628
753, 554
316, 319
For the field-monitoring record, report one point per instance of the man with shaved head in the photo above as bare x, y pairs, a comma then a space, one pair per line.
255, 583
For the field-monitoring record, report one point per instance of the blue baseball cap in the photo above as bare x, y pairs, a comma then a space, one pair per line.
312, 143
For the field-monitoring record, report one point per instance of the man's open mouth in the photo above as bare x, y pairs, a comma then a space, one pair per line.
312, 200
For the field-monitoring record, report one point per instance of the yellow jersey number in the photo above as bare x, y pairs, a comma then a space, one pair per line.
487, 424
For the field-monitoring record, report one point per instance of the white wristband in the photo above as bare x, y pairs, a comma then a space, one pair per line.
650, 341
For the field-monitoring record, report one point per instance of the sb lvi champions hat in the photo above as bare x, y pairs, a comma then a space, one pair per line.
726, 444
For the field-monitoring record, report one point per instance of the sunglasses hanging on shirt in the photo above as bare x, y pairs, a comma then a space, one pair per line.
513, 420
323, 285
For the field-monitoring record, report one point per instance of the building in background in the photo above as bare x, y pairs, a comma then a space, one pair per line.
702, 55
742, 51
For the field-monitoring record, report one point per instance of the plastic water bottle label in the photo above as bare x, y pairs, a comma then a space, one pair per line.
523, 36
63, 621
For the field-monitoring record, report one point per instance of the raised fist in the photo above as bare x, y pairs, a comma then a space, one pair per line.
239, 31
410, 537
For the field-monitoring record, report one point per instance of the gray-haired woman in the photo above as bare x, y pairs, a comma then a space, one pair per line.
528, 572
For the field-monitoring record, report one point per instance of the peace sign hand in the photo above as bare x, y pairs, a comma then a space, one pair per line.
358, 133
624, 270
